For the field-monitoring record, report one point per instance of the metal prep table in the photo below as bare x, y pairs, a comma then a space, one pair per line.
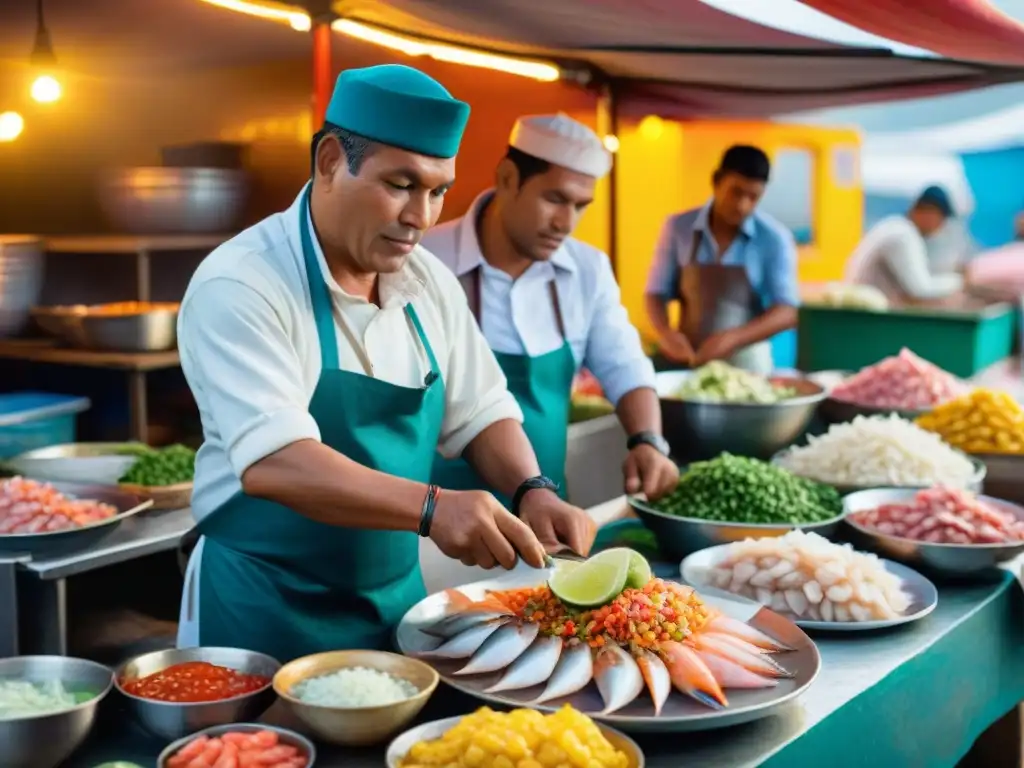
41, 584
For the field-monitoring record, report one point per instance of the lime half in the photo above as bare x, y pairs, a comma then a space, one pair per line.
595, 582
639, 570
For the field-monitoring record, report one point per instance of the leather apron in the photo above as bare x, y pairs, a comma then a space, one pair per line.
275, 581
717, 297
543, 387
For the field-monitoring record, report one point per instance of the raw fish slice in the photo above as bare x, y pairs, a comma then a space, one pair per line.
462, 612
691, 676
731, 675
731, 626
755, 662
465, 644
574, 670
618, 678
533, 667
501, 648
655, 674
456, 624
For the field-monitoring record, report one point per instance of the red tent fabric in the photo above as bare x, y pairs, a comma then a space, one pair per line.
974, 30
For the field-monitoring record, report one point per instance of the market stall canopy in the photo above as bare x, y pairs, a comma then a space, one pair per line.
973, 30
681, 57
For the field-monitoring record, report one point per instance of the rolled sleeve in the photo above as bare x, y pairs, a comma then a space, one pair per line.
614, 352
663, 279
244, 371
782, 284
476, 391
907, 260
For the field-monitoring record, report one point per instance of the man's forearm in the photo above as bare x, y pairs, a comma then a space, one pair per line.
502, 456
657, 313
639, 410
779, 318
318, 482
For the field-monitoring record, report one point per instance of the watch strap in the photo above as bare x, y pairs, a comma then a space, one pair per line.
652, 439
533, 483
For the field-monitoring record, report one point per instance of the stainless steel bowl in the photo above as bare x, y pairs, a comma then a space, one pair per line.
291, 738
834, 411
950, 559
682, 536
154, 330
98, 463
46, 741
172, 720
702, 430
158, 200
22, 260
975, 484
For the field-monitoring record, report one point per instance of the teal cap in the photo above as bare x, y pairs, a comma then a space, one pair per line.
400, 106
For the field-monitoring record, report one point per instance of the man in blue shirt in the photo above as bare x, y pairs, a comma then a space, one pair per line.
733, 270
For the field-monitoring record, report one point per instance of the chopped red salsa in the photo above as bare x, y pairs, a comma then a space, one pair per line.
194, 681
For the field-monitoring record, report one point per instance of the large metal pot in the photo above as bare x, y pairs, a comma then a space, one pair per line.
155, 200
21, 280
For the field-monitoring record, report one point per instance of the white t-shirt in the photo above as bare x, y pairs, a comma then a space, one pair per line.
893, 257
251, 355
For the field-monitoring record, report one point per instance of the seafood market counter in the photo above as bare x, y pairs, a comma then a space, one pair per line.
913, 695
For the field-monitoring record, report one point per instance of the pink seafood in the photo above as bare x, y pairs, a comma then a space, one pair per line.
905, 382
944, 516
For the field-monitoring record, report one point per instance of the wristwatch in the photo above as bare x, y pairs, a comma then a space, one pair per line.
653, 439
530, 484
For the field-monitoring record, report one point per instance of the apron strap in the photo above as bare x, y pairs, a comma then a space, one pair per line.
472, 284
435, 369
319, 293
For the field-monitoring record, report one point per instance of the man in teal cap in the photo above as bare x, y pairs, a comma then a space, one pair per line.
331, 357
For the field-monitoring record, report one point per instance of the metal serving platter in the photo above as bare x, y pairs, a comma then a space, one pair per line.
947, 559
679, 713
924, 597
63, 542
682, 536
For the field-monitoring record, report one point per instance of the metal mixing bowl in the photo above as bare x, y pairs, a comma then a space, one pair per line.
95, 463
703, 430
835, 411
172, 720
153, 330
46, 741
682, 536
290, 738
356, 726
158, 200
949, 559
974, 484
22, 259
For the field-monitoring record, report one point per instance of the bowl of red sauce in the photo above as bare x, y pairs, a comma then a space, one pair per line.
177, 692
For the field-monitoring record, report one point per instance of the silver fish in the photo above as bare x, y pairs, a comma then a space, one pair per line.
740, 652
465, 644
618, 678
455, 624
730, 626
574, 670
533, 667
655, 674
501, 648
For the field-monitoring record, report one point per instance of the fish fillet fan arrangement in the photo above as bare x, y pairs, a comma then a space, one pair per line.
660, 637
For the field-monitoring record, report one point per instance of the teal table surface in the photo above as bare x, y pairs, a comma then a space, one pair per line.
916, 695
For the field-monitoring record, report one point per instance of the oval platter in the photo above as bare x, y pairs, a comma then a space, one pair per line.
679, 714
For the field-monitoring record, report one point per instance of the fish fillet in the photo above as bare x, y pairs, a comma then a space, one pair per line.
618, 678
691, 676
574, 670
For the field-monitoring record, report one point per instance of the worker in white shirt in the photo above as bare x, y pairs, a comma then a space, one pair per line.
549, 304
893, 255
330, 356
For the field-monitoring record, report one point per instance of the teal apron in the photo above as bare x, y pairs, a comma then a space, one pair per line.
275, 581
543, 387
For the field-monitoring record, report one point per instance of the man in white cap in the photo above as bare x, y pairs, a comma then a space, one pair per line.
549, 304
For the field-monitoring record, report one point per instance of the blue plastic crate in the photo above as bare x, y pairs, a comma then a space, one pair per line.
30, 420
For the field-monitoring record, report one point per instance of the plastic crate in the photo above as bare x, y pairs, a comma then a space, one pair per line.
961, 342
30, 420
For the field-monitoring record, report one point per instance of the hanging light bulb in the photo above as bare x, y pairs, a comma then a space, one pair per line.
11, 126
46, 88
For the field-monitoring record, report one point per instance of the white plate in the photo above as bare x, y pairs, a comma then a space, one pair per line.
923, 594
679, 713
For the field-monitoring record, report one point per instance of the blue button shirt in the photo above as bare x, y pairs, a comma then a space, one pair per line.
764, 246
517, 317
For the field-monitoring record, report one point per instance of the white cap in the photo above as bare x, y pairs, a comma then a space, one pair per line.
562, 141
